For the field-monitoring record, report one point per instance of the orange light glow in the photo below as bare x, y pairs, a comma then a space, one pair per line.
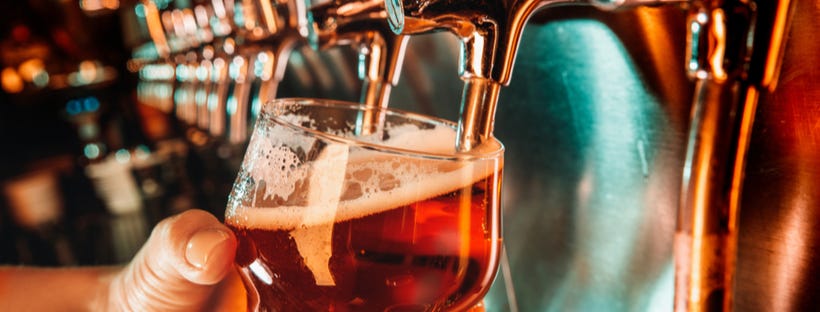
718, 30
775, 53
11, 81
154, 22
99, 5
87, 71
31, 68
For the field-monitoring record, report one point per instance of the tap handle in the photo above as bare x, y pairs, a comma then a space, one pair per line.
156, 31
363, 25
276, 20
734, 49
718, 36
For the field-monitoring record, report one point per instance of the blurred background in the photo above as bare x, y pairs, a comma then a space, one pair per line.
117, 113
68, 106
94, 153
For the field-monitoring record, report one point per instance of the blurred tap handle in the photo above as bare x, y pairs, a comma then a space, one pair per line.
363, 25
734, 50
267, 32
274, 28
175, 31
223, 13
156, 30
350, 22
719, 39
275, 20
770, 25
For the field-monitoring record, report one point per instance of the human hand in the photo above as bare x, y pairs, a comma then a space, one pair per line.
186, 265
177, 269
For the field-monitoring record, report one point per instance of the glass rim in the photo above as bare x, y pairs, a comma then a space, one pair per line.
270, 112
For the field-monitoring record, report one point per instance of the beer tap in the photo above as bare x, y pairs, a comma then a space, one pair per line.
193, 39
156, 31
183, 39
162, 33
270, 30
734, 50
490, 31
363, 24
213, 68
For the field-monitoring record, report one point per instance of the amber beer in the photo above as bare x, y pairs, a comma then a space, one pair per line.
435, 254
331, 218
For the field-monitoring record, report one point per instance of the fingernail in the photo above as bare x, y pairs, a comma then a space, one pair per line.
202, 245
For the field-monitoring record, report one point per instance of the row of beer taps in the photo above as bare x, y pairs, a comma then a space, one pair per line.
232, 54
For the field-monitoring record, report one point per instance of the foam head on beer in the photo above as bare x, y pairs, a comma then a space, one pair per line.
375, 182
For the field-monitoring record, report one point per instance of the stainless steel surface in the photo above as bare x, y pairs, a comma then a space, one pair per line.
596, 140
732, 50
779, 249
590, 210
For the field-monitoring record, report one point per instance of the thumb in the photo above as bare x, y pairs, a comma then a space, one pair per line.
178, 266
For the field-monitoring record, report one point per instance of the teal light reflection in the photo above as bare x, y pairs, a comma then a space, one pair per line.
231, 105
213, 101
256, 106
139, 10
578, 121
91, 151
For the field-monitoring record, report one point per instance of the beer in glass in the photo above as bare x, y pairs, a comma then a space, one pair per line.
331, 216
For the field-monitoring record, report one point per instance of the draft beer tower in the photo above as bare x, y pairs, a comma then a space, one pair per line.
733, 54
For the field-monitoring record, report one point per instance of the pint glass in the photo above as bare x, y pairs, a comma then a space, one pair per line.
333, 214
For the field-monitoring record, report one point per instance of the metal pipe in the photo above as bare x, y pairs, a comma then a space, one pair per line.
734, 52
478, 105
